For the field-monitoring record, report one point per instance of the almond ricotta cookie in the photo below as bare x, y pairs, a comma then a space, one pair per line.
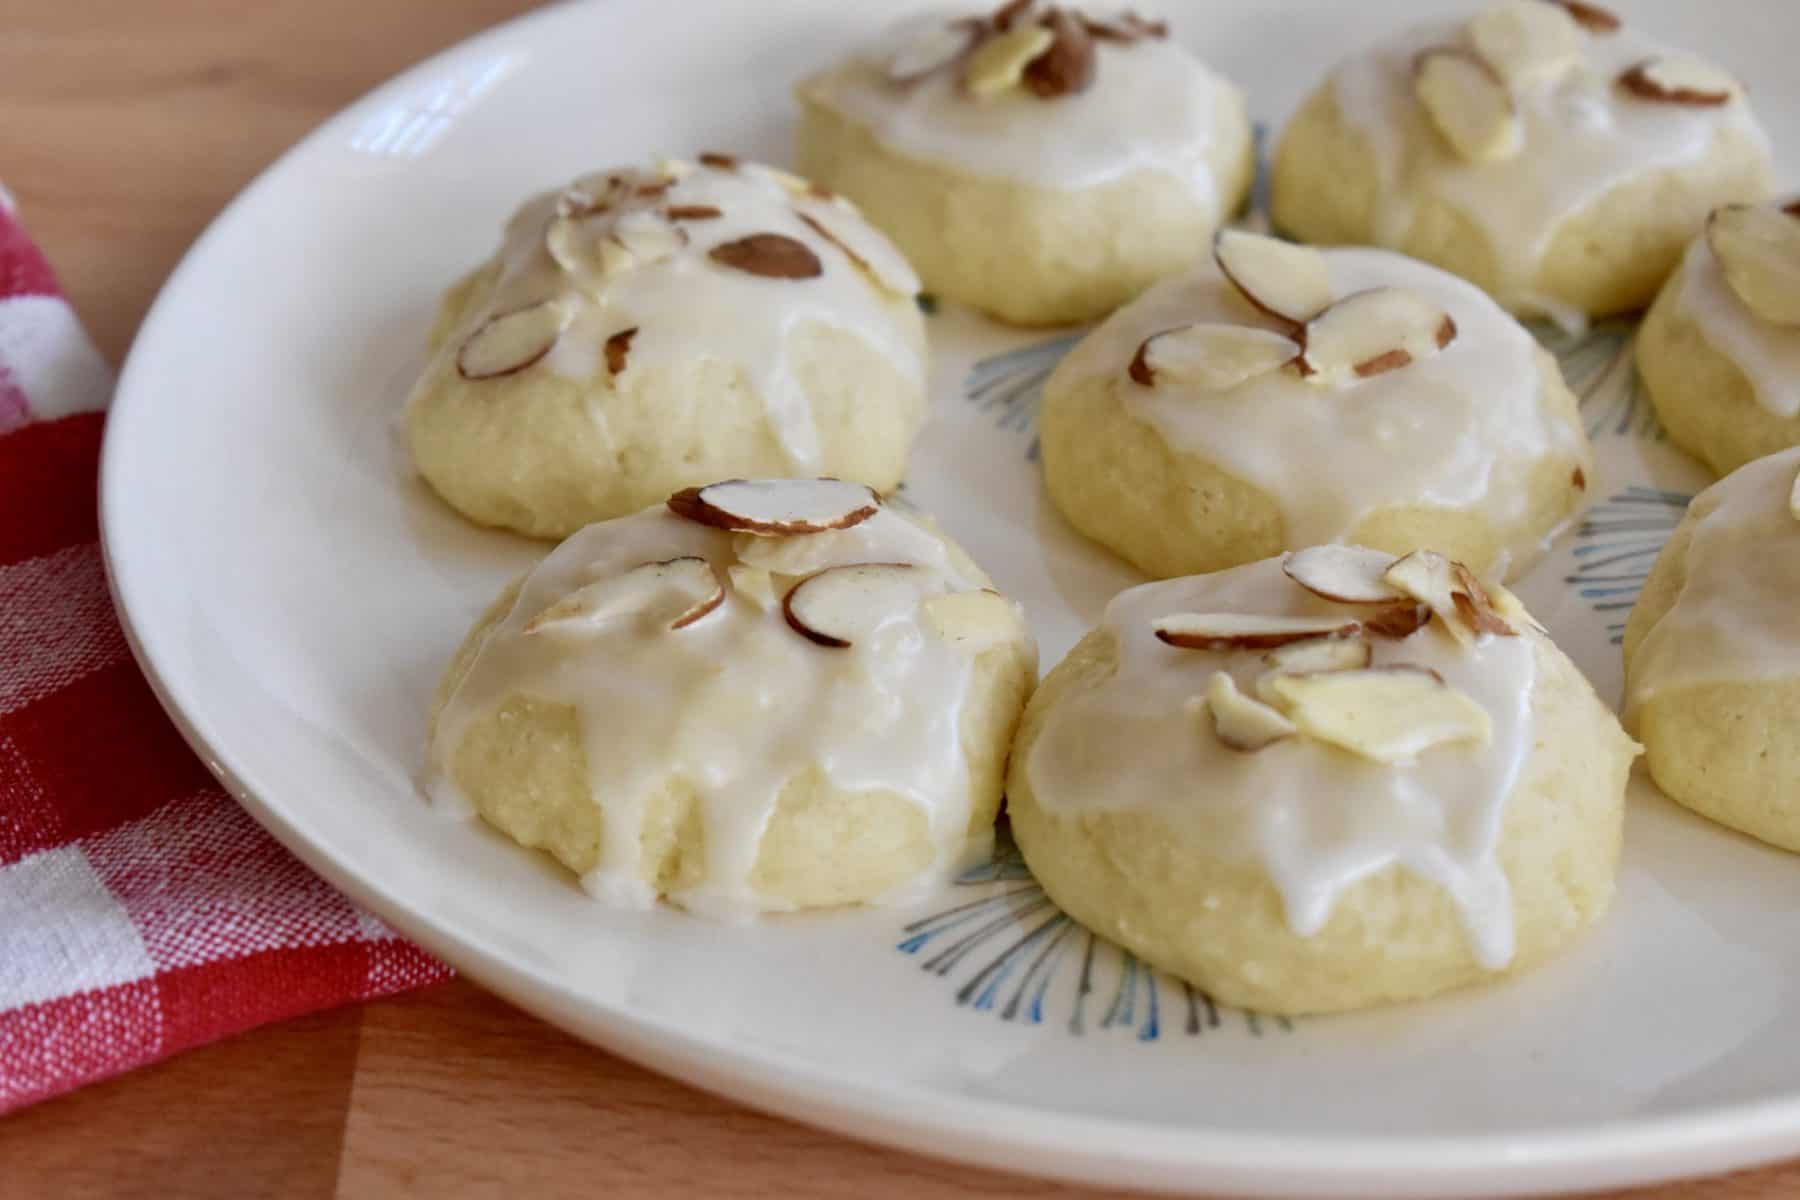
1712, 654
644, 330
1043, 164
1280, 396
1549, 152
1323, 782
761, 696
1720, 351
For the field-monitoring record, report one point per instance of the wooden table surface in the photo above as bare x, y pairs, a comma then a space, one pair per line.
125, 125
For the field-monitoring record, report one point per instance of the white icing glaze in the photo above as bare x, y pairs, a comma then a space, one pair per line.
687, 305
1583, 136
738, 703
1734, 618
1460, 429
1767, 354
1316, 818
1150, 108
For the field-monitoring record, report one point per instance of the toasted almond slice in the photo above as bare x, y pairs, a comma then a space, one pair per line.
1385, 714
1398, 622
931, 48
694, 212
1758, 249
1468, 103
1125, 28
1240, 722
771, 255
1067, 67
671, 594
973, 621
1679, 79
1591, 17
1345, 574
1210, 356
1474, 606
753, 584
1321, 655
1245, 631
1526, 40
840, 605
511, 341
998, 64
863, 245
674, 169
777, 507
1289, 282
1452, 593
1373, 332
797, 556
718, 161
618, 350
649, 236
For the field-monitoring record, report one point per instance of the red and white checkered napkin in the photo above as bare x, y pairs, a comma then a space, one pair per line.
141, 912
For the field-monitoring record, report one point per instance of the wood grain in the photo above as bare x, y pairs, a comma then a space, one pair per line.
125, 125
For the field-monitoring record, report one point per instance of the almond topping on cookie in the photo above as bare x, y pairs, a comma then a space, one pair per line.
1240, 722
673, 593
1067, 67
1399, 622
717, 161
972, 621
998, 65
1384, 714
841, 604
1320, 656
1452, 593
1210, 356
1241, 631
512, 341
1289, 282
694, 212
1591, 17
1679, 79
771, 255
618, 349
777, 507
1126, 28
1526, 40
1344, 574
867, 250
1468, 103
1758, 249
1373, 332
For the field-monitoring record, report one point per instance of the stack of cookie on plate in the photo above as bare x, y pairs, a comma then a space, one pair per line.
1327, 759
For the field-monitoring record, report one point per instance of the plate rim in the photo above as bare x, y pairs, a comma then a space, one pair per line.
980, 1132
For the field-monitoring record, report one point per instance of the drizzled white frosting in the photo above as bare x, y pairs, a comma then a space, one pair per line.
1582, 136
688, 306
1316, 818
1461, 429
1737, 616
737, 703
1151, 107
1767, 354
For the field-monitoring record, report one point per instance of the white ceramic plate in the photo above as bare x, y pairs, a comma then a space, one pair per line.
293, 592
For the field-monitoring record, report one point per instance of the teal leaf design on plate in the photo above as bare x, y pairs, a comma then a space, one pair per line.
1009, 386
1617, 542
1598, 366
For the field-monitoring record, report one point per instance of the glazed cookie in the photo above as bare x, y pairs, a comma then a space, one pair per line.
1546, 151
1720, 351
1712, 654
760, 696
1281, 396
645, 330
1041, 164
1323, 782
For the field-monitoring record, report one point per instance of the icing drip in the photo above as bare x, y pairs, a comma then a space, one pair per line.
1767, 354
1582, 136
1316, 818
737, 703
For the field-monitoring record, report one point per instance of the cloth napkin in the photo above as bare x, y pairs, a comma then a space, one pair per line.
141, 911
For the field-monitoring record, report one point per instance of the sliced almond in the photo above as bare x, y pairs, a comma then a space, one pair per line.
930, 49
648, 236
973, 621
797, 556
841, 605
1398, 622
777, 507
1373, 332
1067, 67
1289, 282
1679, 79
618, 350
1245, 631
998, 64
1452, 593
671, 594
1758, 249
1240, 722
583, 248
1526, 40
753, 584
511, 341
867, 249
693, 212
1385, 714
1591, 17
1211, 356
771, 255
1474, 606
1321, 655
1468, 103
1345, 574
1126, 28
717, 161
675, 169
